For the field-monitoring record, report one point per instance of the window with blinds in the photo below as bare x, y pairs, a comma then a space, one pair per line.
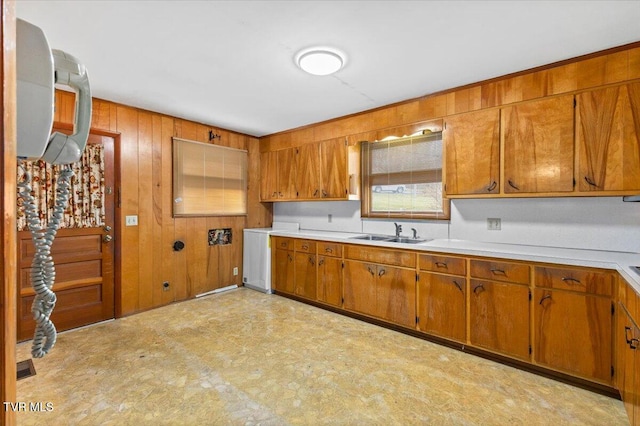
208, 180
402, 178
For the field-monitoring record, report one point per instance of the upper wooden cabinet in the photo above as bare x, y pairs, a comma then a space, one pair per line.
608, 139
472, 153
309, 172
277, 175
538, 146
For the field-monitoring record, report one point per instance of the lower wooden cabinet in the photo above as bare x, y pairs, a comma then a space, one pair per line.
381, 291
283, 278
573, 333
305, 275
628, 363
442, 305
499, 318
330, 280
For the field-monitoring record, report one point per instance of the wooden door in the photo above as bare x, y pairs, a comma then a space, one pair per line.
333, 172
360, 287
626, 358
573, 333
538, 146
441, 305
608, 139
286, 169
283, 273
84, 262
269, 176
330, 280
499, 317
308, 171
396, 295
305, 275
472, 153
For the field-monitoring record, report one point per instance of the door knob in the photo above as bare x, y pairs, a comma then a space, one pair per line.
107, 238
107, 228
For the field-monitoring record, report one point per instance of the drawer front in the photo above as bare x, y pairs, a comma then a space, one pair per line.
406, 259
283, 243
329, 249
444, 264
305, 246
500, 271
581, 280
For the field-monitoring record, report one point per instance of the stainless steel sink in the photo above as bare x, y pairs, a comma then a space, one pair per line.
371, 237
405, 240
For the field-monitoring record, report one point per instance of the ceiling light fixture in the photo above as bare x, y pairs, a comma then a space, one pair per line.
320, 60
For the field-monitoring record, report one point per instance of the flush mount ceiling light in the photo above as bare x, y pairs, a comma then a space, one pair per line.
320, 60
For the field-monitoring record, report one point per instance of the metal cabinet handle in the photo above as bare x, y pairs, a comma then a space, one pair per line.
627, 329
634, 343
289, 257
370, 270
548, 296
312, 261
570, 280
283, 244
441, 265
328, 250
305, 247
457, 285
275, 194
492, 186
590, 182
280, 194
478, 287
381, 272
321, 262
107, 238
315, 192
324, 193
513, 185
498, 272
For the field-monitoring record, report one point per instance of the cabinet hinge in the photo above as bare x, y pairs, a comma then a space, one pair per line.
343, 300
575, 103
530, 350
296, 194
612, 371
297, 151
417, 320
613, 308
342, 265
445, 125
529, 299
417, 277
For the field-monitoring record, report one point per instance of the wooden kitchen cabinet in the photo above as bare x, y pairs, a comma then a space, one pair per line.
627, 364
308, 181
334, 169
472, 153
305, 275
381, 291
330, 280
539, 146
499, 317
277, 175
283, 276
608, 139
442, 305
573, 325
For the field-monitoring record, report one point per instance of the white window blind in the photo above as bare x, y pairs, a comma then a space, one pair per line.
208, 180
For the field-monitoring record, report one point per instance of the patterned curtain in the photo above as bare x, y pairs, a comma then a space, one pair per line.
86, 199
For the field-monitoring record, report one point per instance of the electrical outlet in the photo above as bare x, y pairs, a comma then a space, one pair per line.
494, 224
235, 271
329, 218
165, 286
131, 220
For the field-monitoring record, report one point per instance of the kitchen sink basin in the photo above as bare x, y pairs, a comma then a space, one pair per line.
405, 240
370, 237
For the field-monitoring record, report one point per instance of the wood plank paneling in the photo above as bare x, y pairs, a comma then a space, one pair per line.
146, 283
165, 250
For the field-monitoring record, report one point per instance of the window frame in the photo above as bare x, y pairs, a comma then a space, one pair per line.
368, 182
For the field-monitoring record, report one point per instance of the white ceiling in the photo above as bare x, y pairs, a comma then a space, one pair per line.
230, 63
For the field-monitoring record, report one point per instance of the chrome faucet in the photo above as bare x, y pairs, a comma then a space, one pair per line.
415, 233
398, 229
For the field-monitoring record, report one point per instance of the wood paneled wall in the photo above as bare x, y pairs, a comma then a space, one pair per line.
598, 69
8, 248
147, 258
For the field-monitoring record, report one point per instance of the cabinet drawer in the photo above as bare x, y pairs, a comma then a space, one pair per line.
329, 249
283, 243
444, 264
305, 246
581, 280
500, 271
376, 255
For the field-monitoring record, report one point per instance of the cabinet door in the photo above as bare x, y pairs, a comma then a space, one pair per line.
305, 275
625, 361
538, 146
360, 287
499, 317
286, 170
330, 280
283, 274
472, 153
268, 176
608, 139
441, 305
396, 295
573, 333
333, 169
308, 171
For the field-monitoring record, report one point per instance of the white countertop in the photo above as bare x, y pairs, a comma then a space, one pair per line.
619, 261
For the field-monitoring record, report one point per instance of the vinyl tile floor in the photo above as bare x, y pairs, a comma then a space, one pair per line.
246, 358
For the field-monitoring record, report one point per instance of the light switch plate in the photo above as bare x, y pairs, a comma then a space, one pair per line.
131, 220
494, 224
